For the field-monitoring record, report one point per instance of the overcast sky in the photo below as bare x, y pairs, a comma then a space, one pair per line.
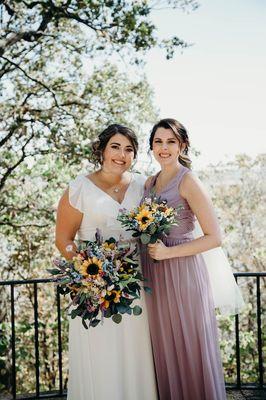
217, 88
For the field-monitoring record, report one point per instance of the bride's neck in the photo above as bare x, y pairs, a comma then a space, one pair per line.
110, 177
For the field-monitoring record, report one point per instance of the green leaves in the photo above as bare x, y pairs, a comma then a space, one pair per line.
137, 310
145, 238
117, 318
147, 289
53, 271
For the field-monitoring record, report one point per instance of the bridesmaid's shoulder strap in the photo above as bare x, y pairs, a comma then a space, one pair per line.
149, 182
183, 171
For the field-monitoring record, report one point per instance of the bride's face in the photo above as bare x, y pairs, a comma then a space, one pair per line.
165, 147
118, 154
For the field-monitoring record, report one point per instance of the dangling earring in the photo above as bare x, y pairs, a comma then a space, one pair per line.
101, 158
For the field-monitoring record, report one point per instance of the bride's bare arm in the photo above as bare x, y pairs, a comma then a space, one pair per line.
68, 221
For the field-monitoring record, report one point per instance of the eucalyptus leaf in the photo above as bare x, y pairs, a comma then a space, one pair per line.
108, 313
54, 271
84, 323
145, 238
147, 289
129, 260
135, 234
152, 229
117, 318
137, 310
75, 313
122, 309
154, 239
94, 322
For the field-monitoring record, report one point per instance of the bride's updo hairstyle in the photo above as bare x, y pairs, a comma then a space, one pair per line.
180, 133
99, 145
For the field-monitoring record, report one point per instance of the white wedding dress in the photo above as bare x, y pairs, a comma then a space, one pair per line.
110, 361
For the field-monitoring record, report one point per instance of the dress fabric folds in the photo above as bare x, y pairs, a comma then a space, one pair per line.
181, 313
110, 361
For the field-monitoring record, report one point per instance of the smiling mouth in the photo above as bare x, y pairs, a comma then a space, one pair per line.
119, 162
164, 155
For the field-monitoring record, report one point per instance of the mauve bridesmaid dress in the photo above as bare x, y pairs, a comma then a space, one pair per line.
181, 314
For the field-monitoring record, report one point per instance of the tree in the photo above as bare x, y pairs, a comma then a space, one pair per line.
238, 193
42, 50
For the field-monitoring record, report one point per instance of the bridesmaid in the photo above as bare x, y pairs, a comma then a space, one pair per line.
180, 309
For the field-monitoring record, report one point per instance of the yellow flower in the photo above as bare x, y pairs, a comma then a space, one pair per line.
144, 219
77, 262
168, 211
109, 246
117, 295
105, 303
113, 295
91, 267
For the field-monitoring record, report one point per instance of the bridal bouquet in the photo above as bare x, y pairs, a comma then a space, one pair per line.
103, 280
151, 220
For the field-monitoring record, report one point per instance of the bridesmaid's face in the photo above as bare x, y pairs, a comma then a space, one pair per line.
165, 146
118, 154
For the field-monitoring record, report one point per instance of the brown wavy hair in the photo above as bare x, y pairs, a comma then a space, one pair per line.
180, 133
99, 145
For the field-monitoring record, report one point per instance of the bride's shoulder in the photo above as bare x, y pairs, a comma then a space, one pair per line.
78, 181
77, 192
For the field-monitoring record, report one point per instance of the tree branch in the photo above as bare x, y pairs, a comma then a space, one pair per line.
32, 79
11, 169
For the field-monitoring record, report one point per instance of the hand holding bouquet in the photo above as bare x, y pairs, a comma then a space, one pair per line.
151, 220
103, 280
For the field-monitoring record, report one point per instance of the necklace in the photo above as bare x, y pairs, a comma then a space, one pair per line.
118, 188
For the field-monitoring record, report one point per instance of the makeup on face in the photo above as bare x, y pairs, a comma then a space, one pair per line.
119, 153
166, 146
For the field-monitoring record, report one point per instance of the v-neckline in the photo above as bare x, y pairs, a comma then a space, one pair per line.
107, 194
158, 194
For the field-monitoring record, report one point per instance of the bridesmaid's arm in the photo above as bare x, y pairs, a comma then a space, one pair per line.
68, 221
200, 203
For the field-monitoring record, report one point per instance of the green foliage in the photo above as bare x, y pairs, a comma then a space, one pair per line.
238, 193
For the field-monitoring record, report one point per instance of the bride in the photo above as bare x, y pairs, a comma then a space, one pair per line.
110, 361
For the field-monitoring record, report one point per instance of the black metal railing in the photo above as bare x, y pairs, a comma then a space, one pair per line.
59, 392
260, 384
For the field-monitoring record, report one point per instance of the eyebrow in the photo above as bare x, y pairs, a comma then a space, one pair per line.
157, 138
118, 144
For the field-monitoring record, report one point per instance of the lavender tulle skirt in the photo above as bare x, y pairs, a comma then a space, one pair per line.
183, 328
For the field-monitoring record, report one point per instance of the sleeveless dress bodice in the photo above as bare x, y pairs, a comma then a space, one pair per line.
170, 193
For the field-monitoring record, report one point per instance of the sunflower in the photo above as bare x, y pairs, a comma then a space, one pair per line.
91, 267
144, 219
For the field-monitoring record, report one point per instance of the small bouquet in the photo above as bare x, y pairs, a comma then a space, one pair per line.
103, 280
151, 220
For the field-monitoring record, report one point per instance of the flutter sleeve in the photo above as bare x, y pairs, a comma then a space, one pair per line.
76, 193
